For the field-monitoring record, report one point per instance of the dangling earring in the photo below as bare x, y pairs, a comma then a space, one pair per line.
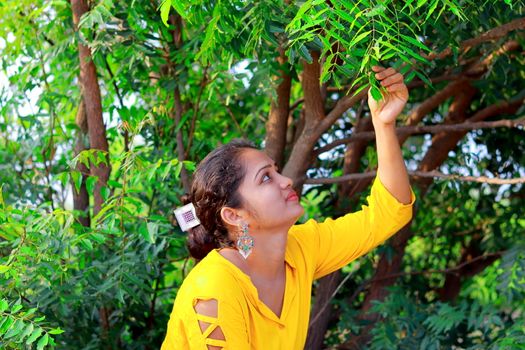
244, 242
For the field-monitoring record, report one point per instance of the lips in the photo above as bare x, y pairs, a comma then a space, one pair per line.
292, 196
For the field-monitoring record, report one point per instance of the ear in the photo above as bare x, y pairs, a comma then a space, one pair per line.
231, 216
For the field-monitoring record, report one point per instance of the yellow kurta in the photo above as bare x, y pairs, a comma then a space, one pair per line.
313, 250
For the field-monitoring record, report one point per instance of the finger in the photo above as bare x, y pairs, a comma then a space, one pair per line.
393, 79
385, 73
378, 68
396, 87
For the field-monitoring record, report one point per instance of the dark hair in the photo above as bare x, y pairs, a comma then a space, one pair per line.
215, 184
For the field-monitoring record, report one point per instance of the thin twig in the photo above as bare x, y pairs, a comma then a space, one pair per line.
120, 99
363, 285
202, 84
325, 305
426, 129
425, 174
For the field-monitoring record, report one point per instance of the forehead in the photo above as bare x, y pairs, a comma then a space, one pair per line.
253, 160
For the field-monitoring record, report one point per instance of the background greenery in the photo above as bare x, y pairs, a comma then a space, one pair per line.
178, 78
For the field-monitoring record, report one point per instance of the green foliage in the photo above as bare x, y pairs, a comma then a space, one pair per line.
23, 327
351, 36
60, 280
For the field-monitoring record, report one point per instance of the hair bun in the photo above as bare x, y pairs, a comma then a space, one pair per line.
185, 199
200, 243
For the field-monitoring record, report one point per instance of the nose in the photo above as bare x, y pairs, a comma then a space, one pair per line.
285, 181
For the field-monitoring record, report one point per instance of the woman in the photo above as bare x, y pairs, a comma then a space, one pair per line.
252, 288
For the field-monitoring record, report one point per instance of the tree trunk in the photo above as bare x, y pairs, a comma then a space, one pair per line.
322, 309
176, 21
81, 198
301, 155
276, 126
91, 96
96, 128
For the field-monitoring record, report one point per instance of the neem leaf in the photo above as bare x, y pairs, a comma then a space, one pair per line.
376, 93
42, 342
165, 11
76, 176
36, 333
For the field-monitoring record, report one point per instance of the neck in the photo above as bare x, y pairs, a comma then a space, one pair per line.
267, 258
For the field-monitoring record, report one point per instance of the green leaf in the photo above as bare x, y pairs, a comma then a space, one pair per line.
42, 342
423, 77
165, 11
166, 171
432, 9
86, 243
415, 42
97, 237
376, 93
413, 54
6, 322
76, 176
189, 165
105, 192
90, 184
178, 169
36, 333
3, 305
2, 203
358, 38
64, 178
180, 8
100, 157
17, 307
28, 330
153, 229
15, 329
305, 54
377, 10
56, 331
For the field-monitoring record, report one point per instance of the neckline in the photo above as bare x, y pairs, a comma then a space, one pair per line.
265, 309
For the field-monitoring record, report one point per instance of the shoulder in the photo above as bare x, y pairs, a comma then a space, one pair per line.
303, 243
211, 278
310, 230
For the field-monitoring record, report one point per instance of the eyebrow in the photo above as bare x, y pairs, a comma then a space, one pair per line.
264, 167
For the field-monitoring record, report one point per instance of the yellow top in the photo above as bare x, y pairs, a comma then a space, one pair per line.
313, 250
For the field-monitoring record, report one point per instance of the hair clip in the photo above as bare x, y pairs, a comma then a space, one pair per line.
186, 217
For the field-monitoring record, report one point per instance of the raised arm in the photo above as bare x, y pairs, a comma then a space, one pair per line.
334, 243
391, 167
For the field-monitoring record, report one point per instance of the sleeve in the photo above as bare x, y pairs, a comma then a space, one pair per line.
347, 238
184, 331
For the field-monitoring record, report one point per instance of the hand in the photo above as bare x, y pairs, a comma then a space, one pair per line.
388, 108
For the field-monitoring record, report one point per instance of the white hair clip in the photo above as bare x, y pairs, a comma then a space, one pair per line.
186, 217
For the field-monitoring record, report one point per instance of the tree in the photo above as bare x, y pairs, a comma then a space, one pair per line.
178, 77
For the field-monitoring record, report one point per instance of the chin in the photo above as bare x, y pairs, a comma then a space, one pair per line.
299, 213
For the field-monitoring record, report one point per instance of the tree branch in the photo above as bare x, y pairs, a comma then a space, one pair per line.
454, 269
404, 131
341, 106
363, 285
277, 123
176, 21
120, 99
490, 35
416, 174
202, 84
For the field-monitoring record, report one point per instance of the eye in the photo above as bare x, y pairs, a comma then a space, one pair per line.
266, 178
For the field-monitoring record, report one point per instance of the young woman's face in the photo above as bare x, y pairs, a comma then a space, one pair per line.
267, 195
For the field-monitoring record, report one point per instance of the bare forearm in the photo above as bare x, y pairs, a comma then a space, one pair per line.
391, 166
